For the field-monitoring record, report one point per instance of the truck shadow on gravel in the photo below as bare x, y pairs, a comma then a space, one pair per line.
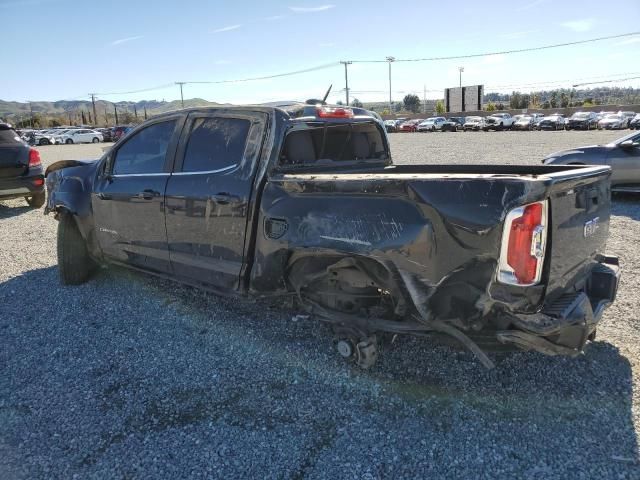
9, 210
626, 204
140, 359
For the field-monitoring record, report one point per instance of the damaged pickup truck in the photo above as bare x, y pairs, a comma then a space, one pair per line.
303, 201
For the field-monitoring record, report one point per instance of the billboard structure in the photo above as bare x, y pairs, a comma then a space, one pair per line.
463, 99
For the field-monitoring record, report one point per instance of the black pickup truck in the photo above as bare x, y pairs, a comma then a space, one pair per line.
303, 201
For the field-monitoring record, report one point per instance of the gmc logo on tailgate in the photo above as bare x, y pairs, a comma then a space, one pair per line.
591, 227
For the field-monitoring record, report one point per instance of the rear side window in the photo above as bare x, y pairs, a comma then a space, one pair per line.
145, 151
9, 136
215, 144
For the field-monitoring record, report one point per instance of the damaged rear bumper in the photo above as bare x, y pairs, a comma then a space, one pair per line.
564, 326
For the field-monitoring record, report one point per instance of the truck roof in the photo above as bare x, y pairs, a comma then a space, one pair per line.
300, 111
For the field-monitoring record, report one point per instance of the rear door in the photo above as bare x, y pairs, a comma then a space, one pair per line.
14, 154
208, 196
128, 205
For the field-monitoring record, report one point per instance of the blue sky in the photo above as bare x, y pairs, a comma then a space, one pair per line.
64, 49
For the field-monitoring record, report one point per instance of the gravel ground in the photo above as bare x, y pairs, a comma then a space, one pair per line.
130, 376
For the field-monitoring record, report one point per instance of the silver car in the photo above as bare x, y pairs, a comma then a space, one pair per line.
622, 155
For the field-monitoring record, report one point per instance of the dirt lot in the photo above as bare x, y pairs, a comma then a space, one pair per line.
129, 376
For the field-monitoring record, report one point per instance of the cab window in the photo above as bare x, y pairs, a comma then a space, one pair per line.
215, 143
145, 151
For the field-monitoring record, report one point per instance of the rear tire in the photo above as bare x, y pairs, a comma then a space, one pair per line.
74, 263
43, 141
69, 141
37, 200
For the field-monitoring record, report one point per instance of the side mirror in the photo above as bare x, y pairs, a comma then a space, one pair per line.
628, 144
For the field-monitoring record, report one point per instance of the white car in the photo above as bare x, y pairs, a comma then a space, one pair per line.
613, 121
59, 134
498, 121
80, 135
44, 137
431, 124
473, 123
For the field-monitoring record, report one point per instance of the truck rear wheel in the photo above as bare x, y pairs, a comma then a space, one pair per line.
74, 263
37, 200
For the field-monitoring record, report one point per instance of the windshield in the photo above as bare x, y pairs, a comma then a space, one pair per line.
613, 117
524, 118
580, 115
473, 119
328, 144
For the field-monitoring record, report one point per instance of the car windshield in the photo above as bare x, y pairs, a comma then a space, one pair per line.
474, 119
635, 136
524, 118
580, 115
614, 116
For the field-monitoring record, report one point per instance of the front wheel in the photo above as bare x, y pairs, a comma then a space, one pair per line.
43, 141
95, 140
37, 200
74, 263
68, 141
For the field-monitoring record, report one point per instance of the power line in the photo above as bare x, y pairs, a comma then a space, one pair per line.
267, 77
504, 52
606, 81
166, 85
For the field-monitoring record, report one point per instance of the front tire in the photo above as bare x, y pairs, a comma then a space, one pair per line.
95, 140
37, 200
74, 263
43, 141
69, 141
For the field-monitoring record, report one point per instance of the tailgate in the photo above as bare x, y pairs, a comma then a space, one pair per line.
579, 204
14, 160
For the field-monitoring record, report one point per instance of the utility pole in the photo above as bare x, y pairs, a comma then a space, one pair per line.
460, 70
135, 111
424, 99
390, 60
346, 79
145, 112
115, 112
31, 117
181, 96
93, 101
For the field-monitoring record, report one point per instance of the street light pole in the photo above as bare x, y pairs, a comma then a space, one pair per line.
460, 70
346, 79
390, 60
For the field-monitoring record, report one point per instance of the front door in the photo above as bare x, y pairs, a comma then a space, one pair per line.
625, 164
128, 202
208, 196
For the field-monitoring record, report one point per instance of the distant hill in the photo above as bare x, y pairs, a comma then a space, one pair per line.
65, 112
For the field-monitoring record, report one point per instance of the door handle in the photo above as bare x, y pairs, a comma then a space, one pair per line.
222, 198
104, 196
148, 194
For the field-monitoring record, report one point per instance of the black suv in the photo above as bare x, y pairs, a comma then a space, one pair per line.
453, 124
21, 172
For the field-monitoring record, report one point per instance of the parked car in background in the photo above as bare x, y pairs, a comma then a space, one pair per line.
613, 121
119, 131
537, 118
409, 126
628, 116
524, 122
622, 155
106, 134
81, 135
391, 126
473, 123
452, 124
431, 124
552, 122
582, 121
21, 174
634, 124
58, 136
498, 121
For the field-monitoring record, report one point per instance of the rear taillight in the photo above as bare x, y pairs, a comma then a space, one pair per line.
334, 112
34, 158
523, 245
